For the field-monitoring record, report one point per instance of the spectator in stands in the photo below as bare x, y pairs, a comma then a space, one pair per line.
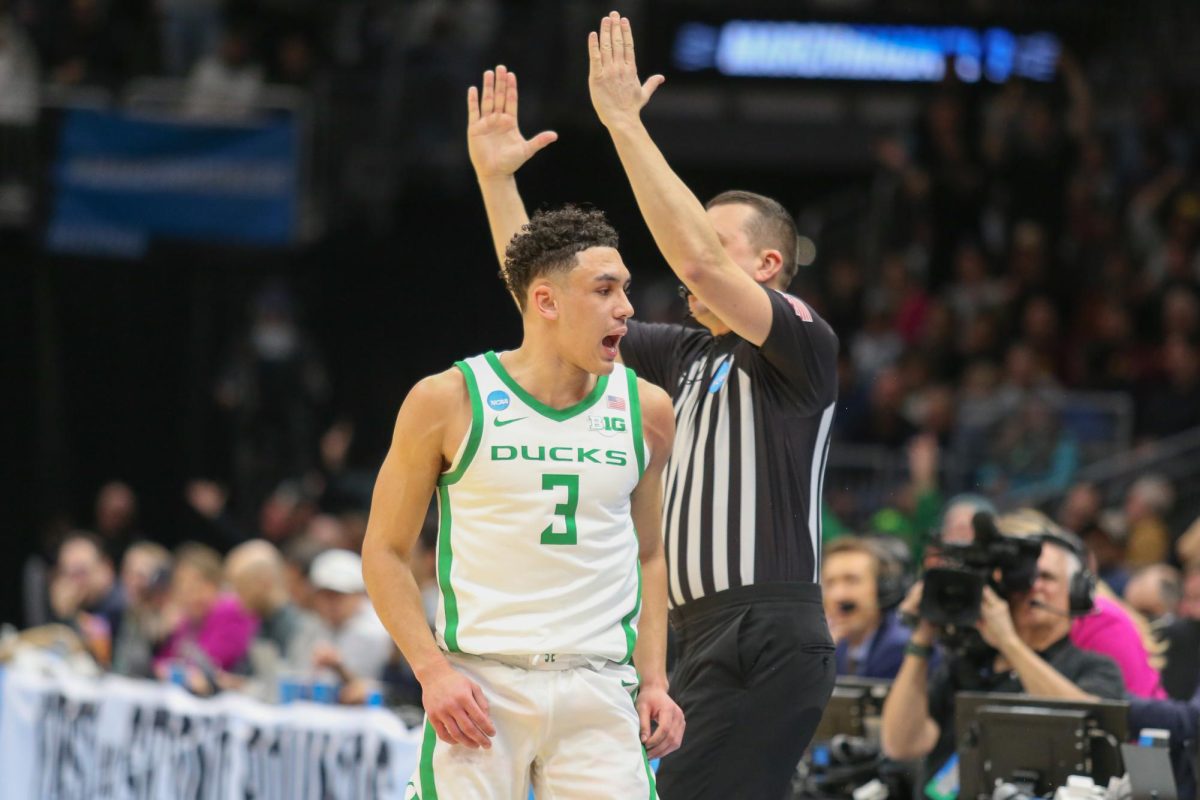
226, 84
1109, 629
1147, 504
359, 646
1173, 405
1031, 453
287, 635
83, 50
116, 518
1080, 508
84, 593
861, 585
20, 103
1105, 539
1155, 592
213, 631
1034, 654
145, 579
299, 555
914, 515
882, 422
190, 29
1181, 673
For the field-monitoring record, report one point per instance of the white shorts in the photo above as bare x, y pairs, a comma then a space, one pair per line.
570, 732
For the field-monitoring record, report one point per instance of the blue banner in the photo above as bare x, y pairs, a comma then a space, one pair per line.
122, 180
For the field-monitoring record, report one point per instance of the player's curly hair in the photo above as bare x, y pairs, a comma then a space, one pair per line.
548, 243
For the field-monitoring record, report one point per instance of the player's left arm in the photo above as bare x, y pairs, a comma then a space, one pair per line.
650, 654
676, 219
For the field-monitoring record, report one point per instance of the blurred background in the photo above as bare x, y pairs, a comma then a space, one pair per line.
233, 233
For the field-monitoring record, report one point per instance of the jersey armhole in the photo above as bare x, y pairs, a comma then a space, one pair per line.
635, 416
470, 442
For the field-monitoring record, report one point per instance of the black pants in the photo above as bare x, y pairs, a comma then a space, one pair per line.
755, 671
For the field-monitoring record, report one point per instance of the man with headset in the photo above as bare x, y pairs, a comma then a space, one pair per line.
863, 584
1034, 654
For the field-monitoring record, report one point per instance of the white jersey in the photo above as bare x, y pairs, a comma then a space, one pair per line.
537, 553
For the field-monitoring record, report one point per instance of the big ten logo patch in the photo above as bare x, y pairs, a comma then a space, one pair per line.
606, 426
498, 400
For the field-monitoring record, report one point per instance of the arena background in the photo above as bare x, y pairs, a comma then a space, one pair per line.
114, 365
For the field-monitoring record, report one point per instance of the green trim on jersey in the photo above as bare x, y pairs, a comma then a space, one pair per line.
649, 775
445, 558
476, 432
635, 414
627, 620
558, 415
428, 785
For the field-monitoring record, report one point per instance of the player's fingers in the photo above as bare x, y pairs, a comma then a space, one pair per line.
606, 45
489, 89
541, 140
643, 722
651, 86
594, 50
472, 105
477, 710
627, 38
472, 735
501, 88
443, 731
618, 37
510, 102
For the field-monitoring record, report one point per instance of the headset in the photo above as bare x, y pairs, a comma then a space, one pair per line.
891, 574
1081, 593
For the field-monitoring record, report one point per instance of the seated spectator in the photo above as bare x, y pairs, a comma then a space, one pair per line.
286, 635
299, 555
1147, 504
116, 518
1033, 654
214, 630
1105, 539
1181, 673
145, 579
1030, 453
1155, 592
1109, 629
870, 640
359, 646
85, 595
225, 85
913, 517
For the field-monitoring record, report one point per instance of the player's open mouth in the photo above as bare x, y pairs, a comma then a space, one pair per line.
610, 344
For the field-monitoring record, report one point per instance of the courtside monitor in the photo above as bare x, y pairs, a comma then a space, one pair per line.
1035, 742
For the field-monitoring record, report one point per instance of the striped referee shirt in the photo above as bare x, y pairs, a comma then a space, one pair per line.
752, 424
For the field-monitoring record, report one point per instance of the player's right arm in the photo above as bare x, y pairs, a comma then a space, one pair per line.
497, 151
431, 423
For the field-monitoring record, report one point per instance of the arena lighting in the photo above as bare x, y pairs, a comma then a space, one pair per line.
844, 51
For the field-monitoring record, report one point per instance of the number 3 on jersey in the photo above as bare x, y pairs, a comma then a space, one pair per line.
566, 510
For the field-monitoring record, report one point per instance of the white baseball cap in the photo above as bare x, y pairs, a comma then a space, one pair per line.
338, 571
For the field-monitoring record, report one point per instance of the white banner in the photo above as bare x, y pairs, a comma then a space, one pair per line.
118, 739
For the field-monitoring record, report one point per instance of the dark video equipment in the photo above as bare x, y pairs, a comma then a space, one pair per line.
1035, 743
953, 591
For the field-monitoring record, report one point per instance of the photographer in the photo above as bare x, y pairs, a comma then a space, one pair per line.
1033, 654
861, 586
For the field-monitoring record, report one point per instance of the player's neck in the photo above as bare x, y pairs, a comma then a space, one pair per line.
546, 375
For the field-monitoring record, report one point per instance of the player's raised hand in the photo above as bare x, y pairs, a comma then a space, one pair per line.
457, 709
612, 72
494, 138
656, 706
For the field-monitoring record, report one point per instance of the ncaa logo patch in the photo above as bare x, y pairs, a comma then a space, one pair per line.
719, 379
498, 400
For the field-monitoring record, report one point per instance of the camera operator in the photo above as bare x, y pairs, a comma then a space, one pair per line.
861, 585
1033, 654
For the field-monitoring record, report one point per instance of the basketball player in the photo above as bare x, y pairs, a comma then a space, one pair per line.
547, 461
754, 393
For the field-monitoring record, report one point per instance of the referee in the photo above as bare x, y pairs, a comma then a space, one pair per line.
754, 397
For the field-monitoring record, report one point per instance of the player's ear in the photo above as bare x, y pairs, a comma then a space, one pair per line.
543, 300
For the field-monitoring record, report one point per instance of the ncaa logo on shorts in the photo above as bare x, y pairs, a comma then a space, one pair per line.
498, 400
